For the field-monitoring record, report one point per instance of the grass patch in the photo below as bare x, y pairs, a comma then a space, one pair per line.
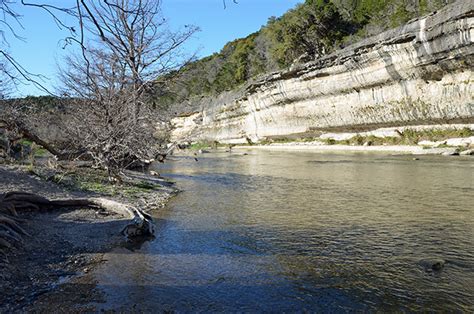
145, 185
408, 137
330, 141
40, 152
96, 181
25, 142
282, 140
96, 187
413, 137
204, 145
34, 149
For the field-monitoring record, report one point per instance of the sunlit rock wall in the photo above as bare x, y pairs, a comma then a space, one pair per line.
417, 74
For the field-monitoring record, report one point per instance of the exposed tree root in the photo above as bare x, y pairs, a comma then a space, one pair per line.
11, 203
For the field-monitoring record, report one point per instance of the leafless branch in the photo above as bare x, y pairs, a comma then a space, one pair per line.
224, 3
130, 46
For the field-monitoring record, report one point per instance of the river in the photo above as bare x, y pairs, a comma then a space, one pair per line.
296, 231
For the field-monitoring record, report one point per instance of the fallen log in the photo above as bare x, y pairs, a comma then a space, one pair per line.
12, 203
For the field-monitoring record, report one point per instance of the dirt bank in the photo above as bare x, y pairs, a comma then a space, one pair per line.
49, 270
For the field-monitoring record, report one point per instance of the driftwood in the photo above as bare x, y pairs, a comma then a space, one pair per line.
11, 203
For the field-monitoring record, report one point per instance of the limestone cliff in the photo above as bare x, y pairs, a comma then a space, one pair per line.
420, 73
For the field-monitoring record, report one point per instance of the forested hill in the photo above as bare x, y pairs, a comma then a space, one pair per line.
310, 30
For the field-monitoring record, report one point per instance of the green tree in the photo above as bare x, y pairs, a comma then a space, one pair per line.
313, 28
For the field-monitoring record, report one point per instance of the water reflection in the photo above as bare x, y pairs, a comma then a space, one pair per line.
294, 231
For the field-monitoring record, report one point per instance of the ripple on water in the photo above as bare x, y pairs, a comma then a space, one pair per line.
301, 231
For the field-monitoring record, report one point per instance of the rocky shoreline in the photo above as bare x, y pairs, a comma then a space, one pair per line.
50, 267
396, 149
455, 139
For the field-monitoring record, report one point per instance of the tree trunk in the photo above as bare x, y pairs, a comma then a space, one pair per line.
26, 133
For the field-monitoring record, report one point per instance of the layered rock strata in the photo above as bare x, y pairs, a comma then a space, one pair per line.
421, 73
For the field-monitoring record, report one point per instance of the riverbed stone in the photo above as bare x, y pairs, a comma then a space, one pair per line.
460, 141
431, 143
437, 265
338, 136
451, 152
433, 264
467, 152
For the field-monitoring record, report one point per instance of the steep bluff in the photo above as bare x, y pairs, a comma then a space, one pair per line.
420, 73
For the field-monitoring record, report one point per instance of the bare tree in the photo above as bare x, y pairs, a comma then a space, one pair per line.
225, 3
85, 13
6, 85
25, 119
112, 80
13, 73
124, 46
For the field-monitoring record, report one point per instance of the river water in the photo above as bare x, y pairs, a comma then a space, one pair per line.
295, 231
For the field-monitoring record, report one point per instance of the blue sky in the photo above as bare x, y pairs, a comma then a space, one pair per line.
42, 49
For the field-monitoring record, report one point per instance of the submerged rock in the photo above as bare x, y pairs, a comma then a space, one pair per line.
435, 264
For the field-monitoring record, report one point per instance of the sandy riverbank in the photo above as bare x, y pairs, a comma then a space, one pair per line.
50, 268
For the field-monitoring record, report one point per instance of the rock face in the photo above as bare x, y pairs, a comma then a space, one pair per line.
420, 73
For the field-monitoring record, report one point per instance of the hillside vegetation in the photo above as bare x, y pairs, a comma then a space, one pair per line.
310, 30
